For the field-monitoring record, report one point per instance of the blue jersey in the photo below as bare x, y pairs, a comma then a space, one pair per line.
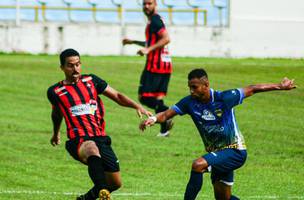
215, 120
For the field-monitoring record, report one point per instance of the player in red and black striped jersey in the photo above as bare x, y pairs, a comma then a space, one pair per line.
76, 100
156, 75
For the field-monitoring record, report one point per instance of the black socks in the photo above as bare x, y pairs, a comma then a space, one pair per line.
97, 175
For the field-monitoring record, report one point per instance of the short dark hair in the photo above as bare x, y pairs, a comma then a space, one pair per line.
197, 73
68, 53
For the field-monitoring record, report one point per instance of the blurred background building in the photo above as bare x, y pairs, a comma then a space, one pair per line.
212, 28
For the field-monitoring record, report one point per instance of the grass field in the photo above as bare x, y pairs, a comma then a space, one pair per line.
151, 167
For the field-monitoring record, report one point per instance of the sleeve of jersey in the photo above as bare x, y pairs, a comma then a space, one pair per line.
233, 97
181, 107
157, 25
100, 84
52, 97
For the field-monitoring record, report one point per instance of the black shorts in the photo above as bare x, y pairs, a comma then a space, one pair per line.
109, 159
153, 84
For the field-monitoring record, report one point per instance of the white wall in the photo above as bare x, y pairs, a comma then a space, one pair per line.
271, 28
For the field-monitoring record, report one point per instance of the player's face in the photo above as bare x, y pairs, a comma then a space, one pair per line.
72, 68
199, 89
149, 7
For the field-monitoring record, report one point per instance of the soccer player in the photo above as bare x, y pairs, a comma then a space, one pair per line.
156, 75
212, 113
76, 100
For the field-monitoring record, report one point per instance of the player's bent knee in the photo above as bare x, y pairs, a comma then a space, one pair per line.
199, 165
89, 148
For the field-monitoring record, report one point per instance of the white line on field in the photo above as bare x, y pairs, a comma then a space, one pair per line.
37, 192
75, 193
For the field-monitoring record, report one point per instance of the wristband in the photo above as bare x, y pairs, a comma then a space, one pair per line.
153, 118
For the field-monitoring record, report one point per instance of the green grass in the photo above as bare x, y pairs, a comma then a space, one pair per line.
151, 167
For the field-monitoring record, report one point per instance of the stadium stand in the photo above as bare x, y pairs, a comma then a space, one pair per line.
181, 12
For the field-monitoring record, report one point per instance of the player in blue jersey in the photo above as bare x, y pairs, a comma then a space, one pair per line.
212, 113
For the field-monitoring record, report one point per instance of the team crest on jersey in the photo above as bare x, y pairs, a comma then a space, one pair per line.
218, 112
207, 115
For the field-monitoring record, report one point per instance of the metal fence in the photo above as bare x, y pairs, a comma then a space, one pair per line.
187, 12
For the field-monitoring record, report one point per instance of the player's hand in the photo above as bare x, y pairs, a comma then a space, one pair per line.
55, 140
148, 122
141, 111
127, 41
143, 51
287, 84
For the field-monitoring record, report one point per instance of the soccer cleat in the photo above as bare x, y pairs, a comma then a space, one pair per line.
169, 125
104, 194
166, 134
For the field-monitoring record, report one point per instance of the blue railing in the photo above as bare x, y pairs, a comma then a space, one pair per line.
185, 12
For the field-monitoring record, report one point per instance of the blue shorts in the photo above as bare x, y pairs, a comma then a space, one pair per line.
223, 163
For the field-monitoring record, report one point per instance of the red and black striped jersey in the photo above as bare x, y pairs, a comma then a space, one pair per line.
159, 60
80, 105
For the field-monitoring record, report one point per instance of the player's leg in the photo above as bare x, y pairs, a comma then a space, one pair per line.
114, 180
221, 191
153, 88
89, 154
222, 165
199, 166
110, 163
148, 92
162, 86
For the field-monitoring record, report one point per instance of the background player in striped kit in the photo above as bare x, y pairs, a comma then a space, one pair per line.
76, 100
212, 113
156, 75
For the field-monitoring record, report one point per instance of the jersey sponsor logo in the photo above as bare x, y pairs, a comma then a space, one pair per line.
165, 57
84, 109
207, 115
214, 129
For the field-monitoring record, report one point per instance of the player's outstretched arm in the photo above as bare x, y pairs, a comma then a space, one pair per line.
126, 41
285, 84
159, 118
125, 101
56, 119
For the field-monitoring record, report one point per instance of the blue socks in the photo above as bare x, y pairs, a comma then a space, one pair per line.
194, 185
